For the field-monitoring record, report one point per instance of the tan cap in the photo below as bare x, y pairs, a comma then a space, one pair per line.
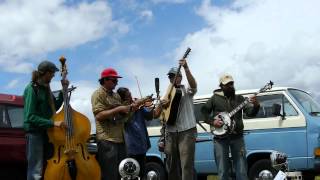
225, 79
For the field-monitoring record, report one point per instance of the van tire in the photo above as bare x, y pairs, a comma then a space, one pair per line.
157, 168
260, 165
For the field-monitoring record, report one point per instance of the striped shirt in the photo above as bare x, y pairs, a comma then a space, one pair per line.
186, 118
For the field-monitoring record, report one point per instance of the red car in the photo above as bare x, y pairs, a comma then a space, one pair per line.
13, 163
12, 138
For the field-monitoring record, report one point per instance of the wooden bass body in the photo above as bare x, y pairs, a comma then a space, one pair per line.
86, 165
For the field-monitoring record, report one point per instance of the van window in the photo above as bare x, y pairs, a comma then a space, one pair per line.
198, 113
266, 106
16, 116
4, 120
307, 102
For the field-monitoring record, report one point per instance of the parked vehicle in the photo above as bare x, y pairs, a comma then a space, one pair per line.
12, 138
13, 164
288, 121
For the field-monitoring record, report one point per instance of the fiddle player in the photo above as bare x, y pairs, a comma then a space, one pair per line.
110, 116
181, 136
39, 106
225, 100
136, 134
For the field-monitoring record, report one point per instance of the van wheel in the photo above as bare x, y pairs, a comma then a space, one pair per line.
259, 166
156, 170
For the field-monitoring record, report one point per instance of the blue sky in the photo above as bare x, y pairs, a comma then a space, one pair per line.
255, 41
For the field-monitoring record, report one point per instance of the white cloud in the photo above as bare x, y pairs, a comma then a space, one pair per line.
146, 14
35, 27
81, 98
257, 41
145, 70
169, 1
12, 84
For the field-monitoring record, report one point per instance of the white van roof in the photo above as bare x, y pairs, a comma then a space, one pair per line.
204, 97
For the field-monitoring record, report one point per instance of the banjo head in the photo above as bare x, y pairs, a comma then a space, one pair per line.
224, 128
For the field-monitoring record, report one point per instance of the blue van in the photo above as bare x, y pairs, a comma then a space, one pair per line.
292, 128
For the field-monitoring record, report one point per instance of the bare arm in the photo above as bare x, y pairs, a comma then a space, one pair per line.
110, 113
192, 82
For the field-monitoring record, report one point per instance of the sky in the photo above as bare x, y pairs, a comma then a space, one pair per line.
253, 40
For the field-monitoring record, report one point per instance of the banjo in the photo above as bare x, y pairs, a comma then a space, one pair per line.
229, 124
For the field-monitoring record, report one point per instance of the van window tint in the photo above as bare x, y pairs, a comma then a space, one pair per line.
307, 102
4, 122
16, 116
197, 112
267, 106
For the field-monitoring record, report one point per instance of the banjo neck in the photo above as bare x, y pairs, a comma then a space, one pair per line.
246, 101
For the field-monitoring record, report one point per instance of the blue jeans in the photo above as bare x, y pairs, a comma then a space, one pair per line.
238, 152
35, 142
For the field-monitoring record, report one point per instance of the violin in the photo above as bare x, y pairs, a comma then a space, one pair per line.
71, 159
144, 102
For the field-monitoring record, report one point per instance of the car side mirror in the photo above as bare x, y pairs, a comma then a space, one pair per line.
276, 108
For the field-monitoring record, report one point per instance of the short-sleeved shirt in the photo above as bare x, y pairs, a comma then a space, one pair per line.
186, 118
111, 129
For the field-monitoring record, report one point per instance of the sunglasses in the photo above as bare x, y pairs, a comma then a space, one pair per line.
172, 76
112, 80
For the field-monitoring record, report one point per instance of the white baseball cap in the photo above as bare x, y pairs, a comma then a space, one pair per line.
225, 79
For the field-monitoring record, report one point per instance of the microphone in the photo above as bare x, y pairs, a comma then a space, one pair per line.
156, 83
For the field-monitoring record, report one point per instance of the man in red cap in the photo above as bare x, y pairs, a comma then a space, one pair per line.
110, 116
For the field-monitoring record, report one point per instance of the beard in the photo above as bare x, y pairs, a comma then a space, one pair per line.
229, 92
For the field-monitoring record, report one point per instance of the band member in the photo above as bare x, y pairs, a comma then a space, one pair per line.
225, 100
136, 134
181, 136
39, 107
110, 116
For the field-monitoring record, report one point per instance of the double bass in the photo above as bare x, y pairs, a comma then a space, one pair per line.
71, 159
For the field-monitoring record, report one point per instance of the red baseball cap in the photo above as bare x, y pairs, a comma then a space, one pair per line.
109, 72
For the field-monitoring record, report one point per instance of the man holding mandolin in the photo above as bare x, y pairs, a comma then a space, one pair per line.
181, 133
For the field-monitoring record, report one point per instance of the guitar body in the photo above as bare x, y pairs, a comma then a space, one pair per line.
169, 115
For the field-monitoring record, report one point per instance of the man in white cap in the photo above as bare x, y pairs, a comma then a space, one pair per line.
225, 100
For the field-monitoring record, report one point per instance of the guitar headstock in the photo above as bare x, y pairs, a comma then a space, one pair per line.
268, 86
186, 53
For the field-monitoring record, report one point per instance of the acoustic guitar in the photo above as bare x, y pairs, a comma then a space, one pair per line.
173, 95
